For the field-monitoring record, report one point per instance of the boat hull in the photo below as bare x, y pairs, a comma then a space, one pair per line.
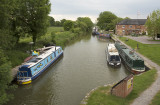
132, 70
29, 80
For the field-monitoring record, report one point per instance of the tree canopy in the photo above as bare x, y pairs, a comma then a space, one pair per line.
105, 19
87, 21
68, 25
35, 15
153, 24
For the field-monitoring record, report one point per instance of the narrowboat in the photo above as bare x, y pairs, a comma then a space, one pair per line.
33, 68
105, 35
113, 57
133, 62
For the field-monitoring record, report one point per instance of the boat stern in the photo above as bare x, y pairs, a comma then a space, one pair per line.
24, 81
137, 71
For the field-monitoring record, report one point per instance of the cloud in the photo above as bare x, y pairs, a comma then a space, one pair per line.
71, 9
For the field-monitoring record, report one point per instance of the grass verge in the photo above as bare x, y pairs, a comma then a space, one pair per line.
151, 51
156, 100
102, 95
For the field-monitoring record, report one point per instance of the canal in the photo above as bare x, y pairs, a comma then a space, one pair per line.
82, 68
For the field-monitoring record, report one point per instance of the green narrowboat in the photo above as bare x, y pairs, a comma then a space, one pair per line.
133, 62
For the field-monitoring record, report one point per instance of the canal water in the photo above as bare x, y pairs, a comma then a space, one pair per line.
82, 68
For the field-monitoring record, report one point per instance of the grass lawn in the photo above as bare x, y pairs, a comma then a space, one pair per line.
156, 99
151, 51
102, 95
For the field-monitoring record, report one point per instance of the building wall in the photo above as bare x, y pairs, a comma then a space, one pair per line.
124, 87
130, 29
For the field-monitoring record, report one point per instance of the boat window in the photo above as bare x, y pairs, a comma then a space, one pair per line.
23, 74
51, 57
117, 58
114, 58
34, 60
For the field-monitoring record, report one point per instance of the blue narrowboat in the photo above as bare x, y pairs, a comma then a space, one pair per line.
37, 65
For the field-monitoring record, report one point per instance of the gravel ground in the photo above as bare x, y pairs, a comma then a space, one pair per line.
146, 96
144, 39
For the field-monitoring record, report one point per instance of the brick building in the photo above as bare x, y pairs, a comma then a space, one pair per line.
131, 26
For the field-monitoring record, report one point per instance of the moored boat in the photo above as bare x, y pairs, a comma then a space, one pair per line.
37, 65
133, 62
113, 57
104, 35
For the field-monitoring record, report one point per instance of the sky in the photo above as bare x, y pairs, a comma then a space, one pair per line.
71, 9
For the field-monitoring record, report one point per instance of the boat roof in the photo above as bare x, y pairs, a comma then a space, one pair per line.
47, 52
132, 54
112, 48
113, 53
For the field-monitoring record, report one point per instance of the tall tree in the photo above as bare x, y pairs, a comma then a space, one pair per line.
6, 38
51, 21
35, 15
113, 23
68, 25
57, 23
87, 21
104, 20
153, 24
62, 21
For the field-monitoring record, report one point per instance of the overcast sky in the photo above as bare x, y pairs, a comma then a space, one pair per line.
71, 9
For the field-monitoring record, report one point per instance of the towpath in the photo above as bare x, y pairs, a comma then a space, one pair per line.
146, 96
144, 39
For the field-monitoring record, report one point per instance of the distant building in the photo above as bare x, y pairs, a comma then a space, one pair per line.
131, 26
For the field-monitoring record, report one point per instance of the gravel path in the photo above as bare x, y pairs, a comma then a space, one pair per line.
147, 95
144, 39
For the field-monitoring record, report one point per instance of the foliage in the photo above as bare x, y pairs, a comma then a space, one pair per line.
112, 25
53, 34
17, 56
102, 95
5, 78
62, 21
153, 23
68, 25
6, 39
57, 23
155, 100
87, 21
105, 19
35, 14
51, 21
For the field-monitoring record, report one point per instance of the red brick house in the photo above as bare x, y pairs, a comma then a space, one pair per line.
131, 26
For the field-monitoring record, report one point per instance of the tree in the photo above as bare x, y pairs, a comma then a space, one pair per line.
7, 40
57, 23
35, 14
62, 21
51, 21
87, 21
104, 20
113, 23
5, 78
68, 25
153, 23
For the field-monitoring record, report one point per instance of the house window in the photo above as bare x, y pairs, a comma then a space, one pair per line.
130, 26
123, 26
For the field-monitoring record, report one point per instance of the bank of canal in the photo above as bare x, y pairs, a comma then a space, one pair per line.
82, 68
